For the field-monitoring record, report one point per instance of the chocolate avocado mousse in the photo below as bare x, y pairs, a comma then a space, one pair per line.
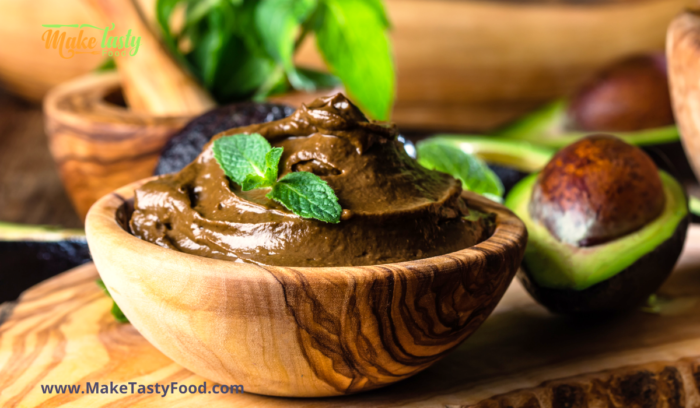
394, 210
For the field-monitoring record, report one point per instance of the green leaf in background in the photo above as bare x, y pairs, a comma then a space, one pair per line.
244, 49
321, 80
246, 159
353, 39
107, 65
472, 172
116, 310
279, 24
306, 195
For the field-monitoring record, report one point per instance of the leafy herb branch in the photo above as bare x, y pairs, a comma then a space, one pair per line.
250, 162
474, 174
241, 49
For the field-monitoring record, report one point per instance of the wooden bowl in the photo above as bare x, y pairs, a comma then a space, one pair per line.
683, 52
27, 68
302, 332
471, 65
99, 144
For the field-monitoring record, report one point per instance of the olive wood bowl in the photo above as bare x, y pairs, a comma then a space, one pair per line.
683, 52
295, 331
98, 143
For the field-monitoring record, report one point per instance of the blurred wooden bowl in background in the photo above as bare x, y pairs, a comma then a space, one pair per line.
683, 52
97, 142
27, 68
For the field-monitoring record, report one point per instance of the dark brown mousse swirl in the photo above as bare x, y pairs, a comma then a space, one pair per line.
393, 209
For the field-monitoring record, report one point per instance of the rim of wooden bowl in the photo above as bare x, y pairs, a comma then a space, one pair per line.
101, 224
82, 102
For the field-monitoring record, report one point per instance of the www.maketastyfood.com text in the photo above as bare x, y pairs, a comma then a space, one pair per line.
113, 388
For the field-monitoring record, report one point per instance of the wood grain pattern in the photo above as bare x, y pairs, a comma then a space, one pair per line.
316, 331
473, 65
61, 332
99, 145
683, 51
27, 171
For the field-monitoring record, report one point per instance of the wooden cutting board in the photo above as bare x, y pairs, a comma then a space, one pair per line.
61, 332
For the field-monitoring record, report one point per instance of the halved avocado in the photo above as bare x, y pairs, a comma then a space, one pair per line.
30, 254
616, 275
511, 160
549, 127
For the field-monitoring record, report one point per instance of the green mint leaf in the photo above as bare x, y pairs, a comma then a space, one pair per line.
116, 310
307, 196
352, 37
253, 181
474, 174
107, 65
381, 11
243, 155
272, 161
321, 80
278, 23
118, 314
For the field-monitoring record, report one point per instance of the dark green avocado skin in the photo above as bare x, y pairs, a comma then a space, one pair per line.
186, 144
509, 176
627, 289
671, 158
26, 263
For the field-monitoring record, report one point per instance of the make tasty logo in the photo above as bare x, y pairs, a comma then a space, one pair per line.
72, 39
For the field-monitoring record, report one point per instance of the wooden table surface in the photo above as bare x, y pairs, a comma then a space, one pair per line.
30, 188
61, 332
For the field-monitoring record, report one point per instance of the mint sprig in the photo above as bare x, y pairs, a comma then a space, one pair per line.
474, 174
250, 161
243, 49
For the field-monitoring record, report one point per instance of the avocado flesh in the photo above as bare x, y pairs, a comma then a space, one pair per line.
548, 127
44, 233
557, 265
694, 206
510, 160
517, 154
30, 254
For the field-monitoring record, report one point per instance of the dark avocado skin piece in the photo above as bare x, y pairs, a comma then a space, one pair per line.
509, 176
671, 158
26, 263
627, 289
187, 144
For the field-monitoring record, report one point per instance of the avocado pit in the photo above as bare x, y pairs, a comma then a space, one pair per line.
596, 190
630, 95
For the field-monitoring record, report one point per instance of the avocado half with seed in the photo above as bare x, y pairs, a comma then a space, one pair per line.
511, 160
30, 254
629, 99
605, 227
